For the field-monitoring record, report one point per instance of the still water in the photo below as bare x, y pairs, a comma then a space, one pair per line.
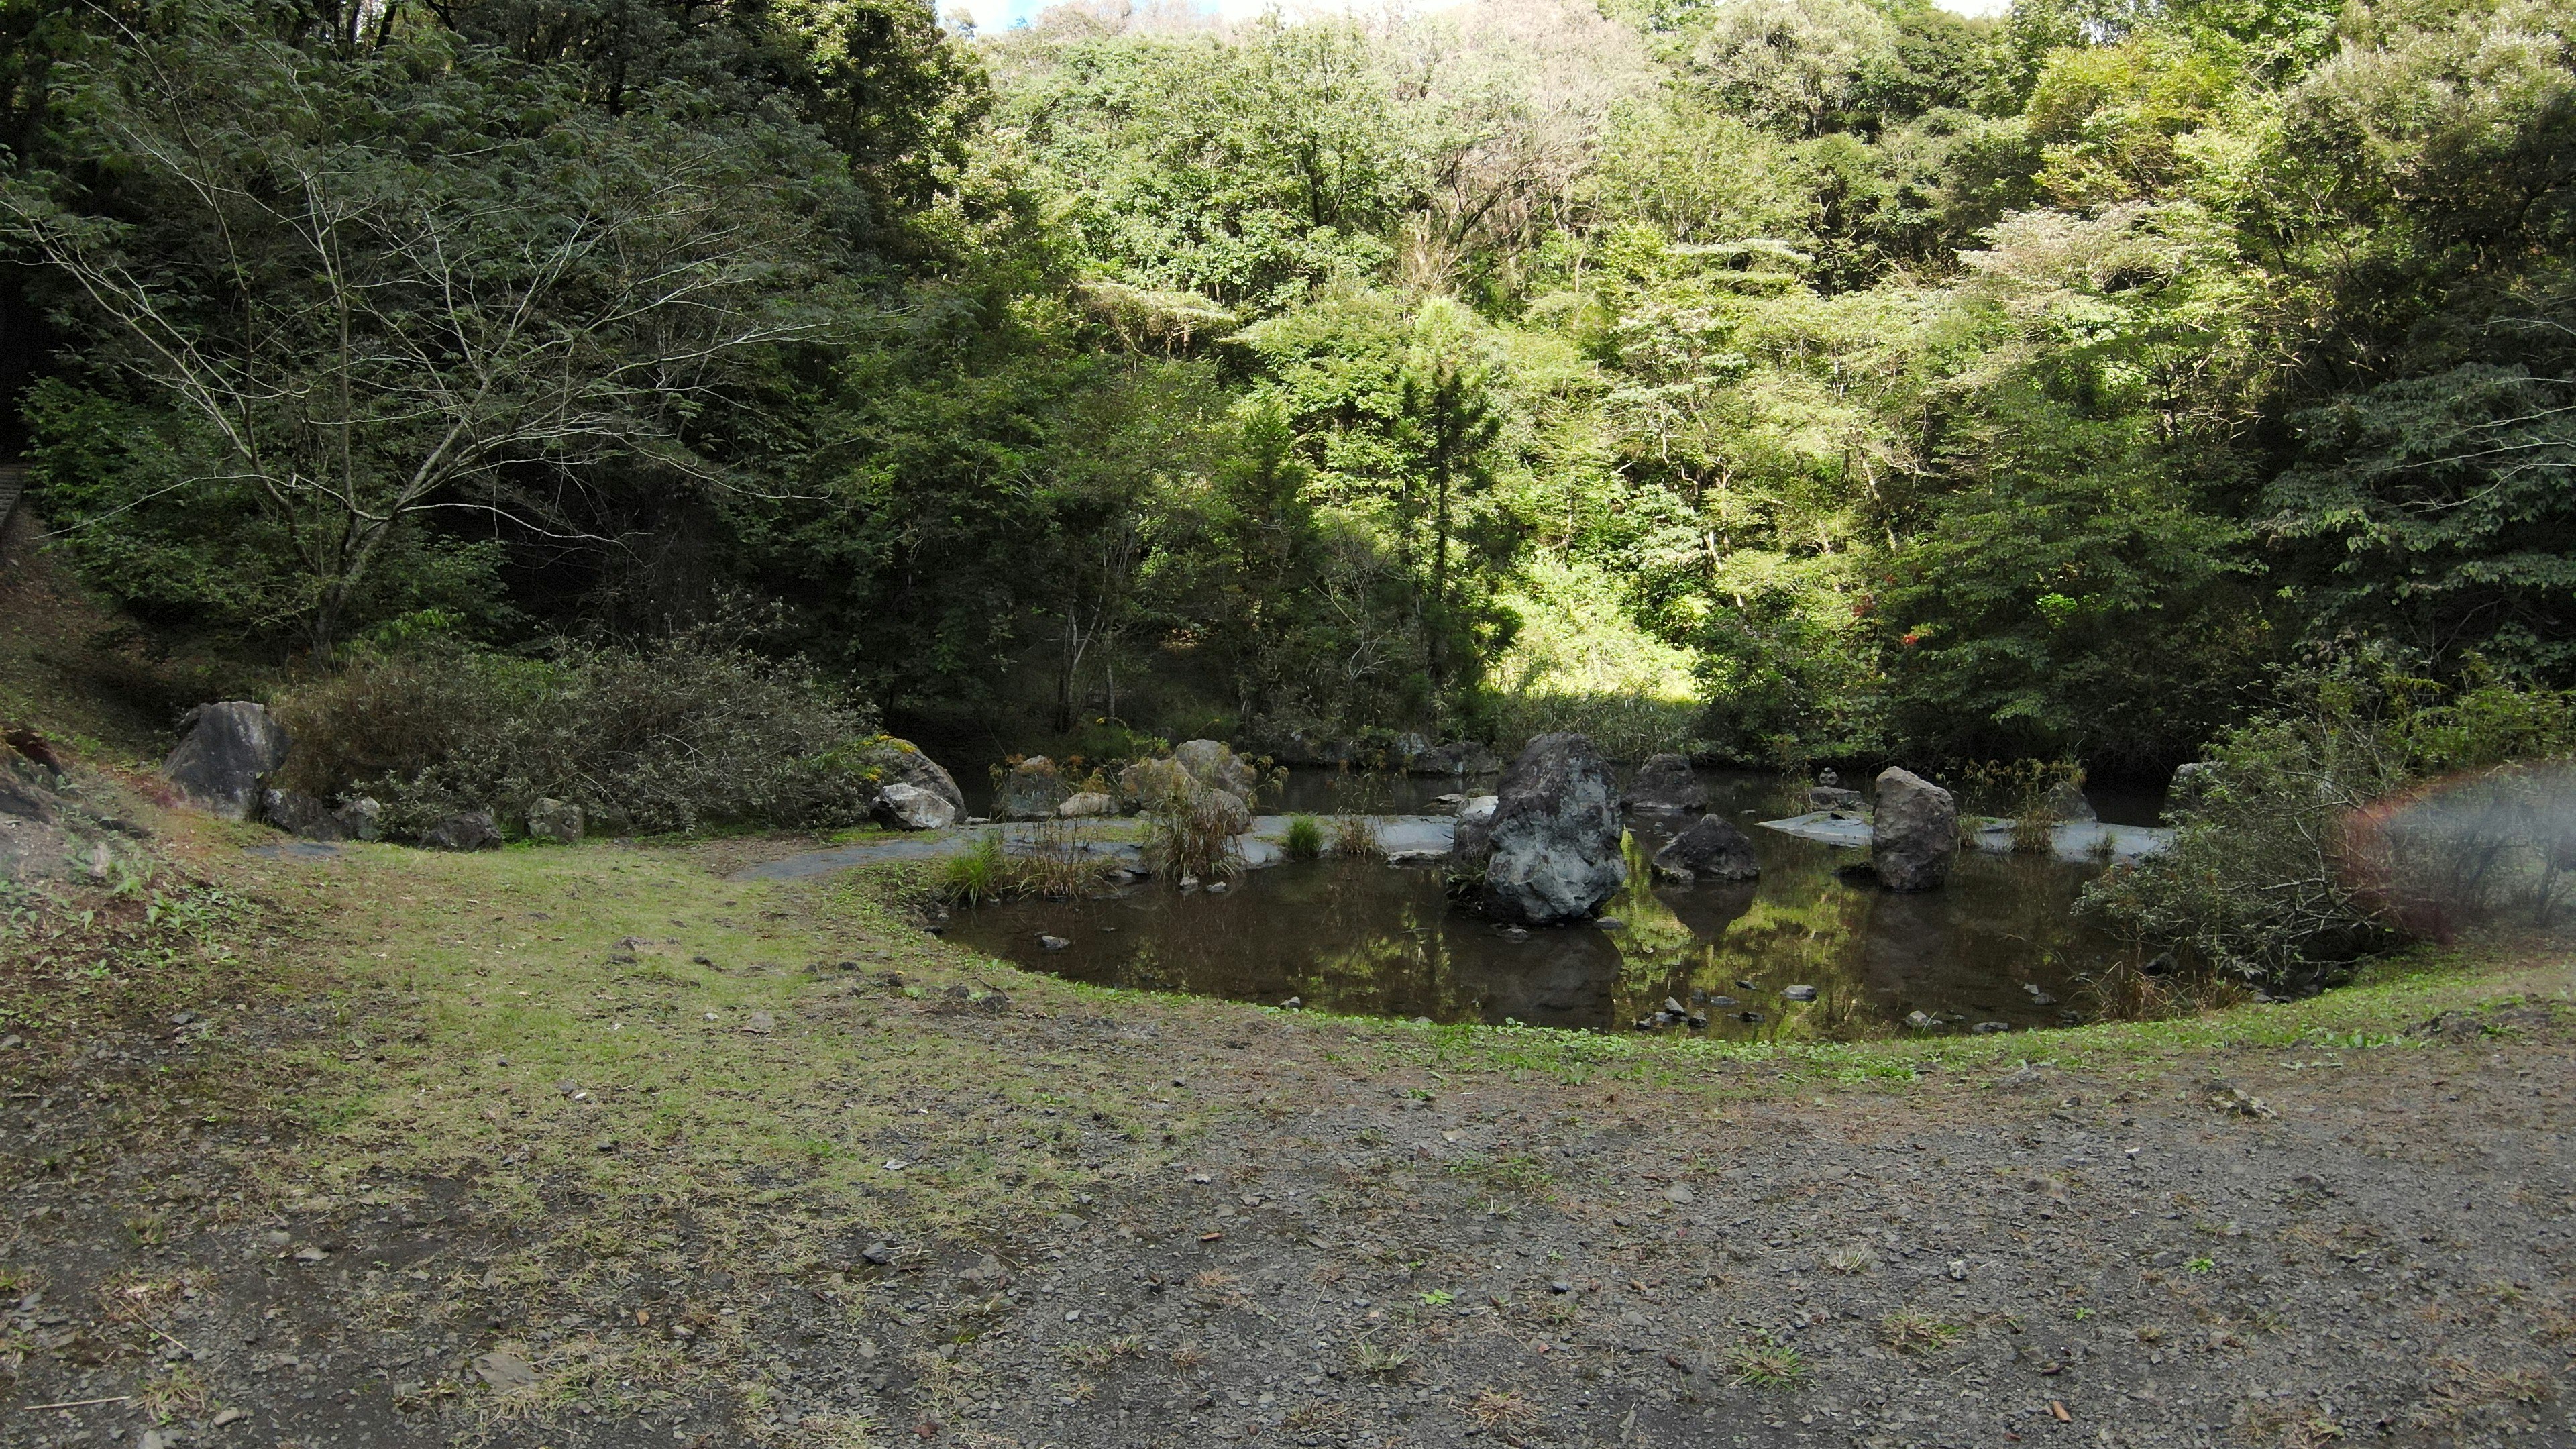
2000, 943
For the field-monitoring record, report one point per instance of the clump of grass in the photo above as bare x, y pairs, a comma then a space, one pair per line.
2025, 792
1196, 837
1766, 1363
1060, 863
1911, 1332
2128, 989
1379, 1361
1305, 838
976, 875
1355, 836
1504, 1414
1851, 1261
1063, 862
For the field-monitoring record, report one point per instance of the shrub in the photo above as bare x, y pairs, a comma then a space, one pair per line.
1305, 838
675, 736
2025, 792
2369, 810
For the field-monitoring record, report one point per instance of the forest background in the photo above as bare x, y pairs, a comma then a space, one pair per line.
1790, 380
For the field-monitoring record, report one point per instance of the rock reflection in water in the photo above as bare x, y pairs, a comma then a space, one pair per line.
1997, 945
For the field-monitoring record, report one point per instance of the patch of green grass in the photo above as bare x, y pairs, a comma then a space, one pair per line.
1305, 839
976, 875
1766, 1363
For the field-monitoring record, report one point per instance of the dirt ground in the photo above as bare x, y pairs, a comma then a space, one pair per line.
586, 1147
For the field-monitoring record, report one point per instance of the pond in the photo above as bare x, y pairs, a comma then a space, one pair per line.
2000, 944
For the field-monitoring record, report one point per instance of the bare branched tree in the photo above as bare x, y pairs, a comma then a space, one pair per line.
393, 284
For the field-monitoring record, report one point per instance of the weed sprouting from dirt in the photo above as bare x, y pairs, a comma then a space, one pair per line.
1379, 1361
1851, 1262
1911, 1332
1504, 1414
1765, 1362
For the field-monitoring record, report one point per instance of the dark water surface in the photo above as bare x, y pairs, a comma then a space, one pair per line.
1999, 944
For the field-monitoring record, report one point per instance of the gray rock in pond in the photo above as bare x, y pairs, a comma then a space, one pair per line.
2066, 802
914, 807
1480, 807
1712, 847
1550, 851
228, 748
301, 815
464, 830
1217, 767
1086, 805
362, 818
1828, 797
1031, 790
1665, 782
1052, 943
1156, 785
1915, 834
2191, 787
557, 821
1799, 993
1828, 776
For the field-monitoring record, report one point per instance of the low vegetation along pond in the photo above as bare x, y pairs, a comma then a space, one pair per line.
2001, 943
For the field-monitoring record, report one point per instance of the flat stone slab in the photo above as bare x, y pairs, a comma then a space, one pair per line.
2075, 841
1416, 835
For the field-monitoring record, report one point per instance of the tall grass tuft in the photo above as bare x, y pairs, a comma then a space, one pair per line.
1196, 837
979, 874
1305, 838
2025, 792
1062, 862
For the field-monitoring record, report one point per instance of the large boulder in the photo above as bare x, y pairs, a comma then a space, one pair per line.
225, 752
1712, 848
1155, 785
301, 815
901, 762
2066, 801
556, 821
914, 807
1086, 805
1550, 851
464, 830
1218, 767
1665, 782
1031, 790
1915, 832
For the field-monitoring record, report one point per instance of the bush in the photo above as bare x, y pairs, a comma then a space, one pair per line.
2369, 811
679, 735
1195, 837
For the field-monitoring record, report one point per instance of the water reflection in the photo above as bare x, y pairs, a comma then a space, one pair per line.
1998, 945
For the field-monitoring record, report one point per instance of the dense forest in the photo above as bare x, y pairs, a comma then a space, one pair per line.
1796, 379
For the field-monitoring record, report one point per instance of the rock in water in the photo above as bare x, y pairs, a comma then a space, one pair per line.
226, 751
1550, 853
1156, 785
1915, 834
2066, 802
914, 807
1665, 782
1713, 848
464, 830
1031, 791
1085, 805
301, 815
901, 762
1832, 797
558, 821
1218, 768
